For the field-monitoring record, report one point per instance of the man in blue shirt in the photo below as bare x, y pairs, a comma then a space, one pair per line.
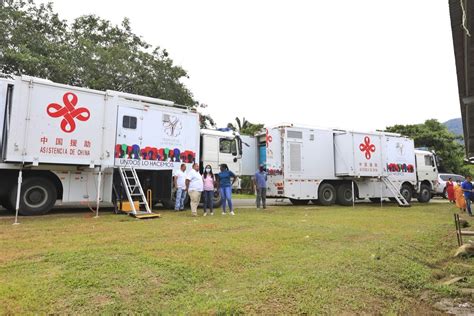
260, 183
466, 186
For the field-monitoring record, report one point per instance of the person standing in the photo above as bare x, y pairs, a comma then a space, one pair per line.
467, 189
179, 182
458, 195
260, 183
450, 190
224, 184
209, 185
194, 186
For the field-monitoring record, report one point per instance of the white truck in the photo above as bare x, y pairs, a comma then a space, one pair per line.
337, 166
69, 143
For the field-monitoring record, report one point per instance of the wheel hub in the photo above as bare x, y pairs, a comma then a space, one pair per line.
35, 196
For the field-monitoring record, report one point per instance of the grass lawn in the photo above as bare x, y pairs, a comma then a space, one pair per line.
307, 259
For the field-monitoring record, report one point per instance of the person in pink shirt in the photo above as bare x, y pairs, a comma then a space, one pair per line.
209, 180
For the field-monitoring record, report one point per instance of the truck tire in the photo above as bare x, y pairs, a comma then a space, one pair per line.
344, 194
407, 192
37, 197
170, 203
445, 194
217, 200
7, 205
299, 202
425, 194
326, 194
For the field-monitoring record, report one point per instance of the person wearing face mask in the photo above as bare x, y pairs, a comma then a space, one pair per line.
260, 184
209, 180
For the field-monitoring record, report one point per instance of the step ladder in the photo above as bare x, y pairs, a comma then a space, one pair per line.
134, 191
402, 202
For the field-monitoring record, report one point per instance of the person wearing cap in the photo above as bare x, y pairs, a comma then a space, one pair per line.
260, 184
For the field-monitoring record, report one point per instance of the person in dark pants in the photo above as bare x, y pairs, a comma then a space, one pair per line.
260, 183
467, 189
209, 185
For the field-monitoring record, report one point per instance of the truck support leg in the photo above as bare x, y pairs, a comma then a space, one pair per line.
17, 205
381, 193
353, 194
99, 182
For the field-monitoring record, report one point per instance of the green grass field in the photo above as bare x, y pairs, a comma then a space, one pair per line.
283, 260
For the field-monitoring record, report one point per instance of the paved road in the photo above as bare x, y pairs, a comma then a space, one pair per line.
275, 202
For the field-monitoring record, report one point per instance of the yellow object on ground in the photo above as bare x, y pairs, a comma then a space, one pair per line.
127, 206
145, 215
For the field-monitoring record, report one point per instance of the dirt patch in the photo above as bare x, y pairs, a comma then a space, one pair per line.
455, 306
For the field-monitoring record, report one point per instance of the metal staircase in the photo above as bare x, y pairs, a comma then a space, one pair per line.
402, 202
134, 191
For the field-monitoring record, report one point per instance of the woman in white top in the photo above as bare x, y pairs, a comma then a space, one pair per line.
194, 186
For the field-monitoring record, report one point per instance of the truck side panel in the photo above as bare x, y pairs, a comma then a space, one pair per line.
53, 123
155, 137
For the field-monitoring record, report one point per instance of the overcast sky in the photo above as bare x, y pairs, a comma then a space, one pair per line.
349, 64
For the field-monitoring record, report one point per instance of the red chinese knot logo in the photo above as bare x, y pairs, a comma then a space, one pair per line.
269, 138
367, 147
68, 112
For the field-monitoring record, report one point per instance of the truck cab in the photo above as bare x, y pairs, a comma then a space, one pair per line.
427, 174
222, 146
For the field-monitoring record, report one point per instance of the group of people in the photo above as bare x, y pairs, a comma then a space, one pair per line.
461, 194
196, 184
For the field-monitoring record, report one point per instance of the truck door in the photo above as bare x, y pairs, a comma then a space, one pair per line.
228, 153
129, 131
426, 167
6, 93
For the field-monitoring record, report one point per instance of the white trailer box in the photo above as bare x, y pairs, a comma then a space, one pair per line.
57, 124
399, 158
358, 154
155, 137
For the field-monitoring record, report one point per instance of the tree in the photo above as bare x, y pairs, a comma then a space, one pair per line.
91, 52
435, 136
245, 127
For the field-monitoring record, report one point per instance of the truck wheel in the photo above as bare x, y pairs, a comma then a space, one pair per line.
445, 194
6, 204
344, 194
170, 203
407, 192
217, 200
425, 195
37, 197
299, 202
326, 194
